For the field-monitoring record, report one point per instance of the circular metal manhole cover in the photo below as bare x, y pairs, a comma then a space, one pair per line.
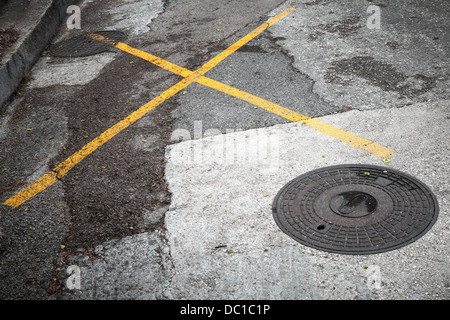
83, 45
355, 209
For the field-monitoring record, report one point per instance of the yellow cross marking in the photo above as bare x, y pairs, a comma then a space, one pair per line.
63, 168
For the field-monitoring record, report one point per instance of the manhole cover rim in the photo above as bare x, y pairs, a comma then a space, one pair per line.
434, 210
84, 50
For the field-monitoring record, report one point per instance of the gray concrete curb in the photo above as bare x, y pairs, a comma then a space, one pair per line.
30, 46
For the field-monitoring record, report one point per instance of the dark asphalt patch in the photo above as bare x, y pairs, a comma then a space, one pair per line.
107, 190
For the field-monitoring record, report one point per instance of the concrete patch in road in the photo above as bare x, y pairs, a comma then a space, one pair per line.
220, 224
72, 72
135, 267
136, 16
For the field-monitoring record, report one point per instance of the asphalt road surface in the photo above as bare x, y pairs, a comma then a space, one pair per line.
151, 213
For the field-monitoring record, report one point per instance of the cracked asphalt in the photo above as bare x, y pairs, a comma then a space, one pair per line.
143, 221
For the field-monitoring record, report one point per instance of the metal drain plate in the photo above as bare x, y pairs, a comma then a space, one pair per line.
355, 209
83, 45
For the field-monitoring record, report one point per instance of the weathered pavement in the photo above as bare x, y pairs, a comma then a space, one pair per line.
148, 217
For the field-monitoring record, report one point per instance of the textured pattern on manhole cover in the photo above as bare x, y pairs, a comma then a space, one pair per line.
83, 45
355, 209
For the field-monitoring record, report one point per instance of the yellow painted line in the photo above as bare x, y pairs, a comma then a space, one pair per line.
207, 66
43, 182
155, 60
144, 55
215, 61
342, 135
51, 177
